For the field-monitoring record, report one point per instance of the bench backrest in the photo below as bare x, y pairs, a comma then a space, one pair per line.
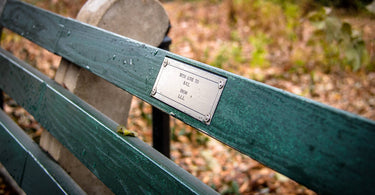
323, 148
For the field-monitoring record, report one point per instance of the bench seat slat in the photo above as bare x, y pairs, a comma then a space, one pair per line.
324, 148
124, 164
31, 168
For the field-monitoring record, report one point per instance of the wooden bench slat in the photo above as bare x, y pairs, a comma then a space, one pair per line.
31, 168
324, 148
124, 164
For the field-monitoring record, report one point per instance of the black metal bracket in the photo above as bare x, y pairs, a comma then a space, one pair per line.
160, 120
1, 100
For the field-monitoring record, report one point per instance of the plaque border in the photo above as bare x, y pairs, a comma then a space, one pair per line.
219, 80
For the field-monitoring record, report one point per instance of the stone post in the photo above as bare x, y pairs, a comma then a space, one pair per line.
142, 20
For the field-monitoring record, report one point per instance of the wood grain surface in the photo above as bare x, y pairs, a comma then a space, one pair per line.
125, 164
30, 167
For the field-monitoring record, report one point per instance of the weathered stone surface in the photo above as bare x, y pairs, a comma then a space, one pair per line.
145, 21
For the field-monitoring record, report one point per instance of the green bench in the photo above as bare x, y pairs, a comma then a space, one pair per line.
328, 150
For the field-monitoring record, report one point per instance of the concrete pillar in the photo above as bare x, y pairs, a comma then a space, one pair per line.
142, 20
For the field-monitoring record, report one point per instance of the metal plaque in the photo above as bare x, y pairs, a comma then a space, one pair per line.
191, 90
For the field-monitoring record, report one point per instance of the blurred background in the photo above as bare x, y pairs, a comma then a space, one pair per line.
320, 49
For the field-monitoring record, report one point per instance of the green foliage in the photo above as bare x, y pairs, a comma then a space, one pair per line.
229, 55
261, 13
231, 188
201, 138
221, 58
273, 25
291, 11
259, 54
341, 44
267, 20
186, 133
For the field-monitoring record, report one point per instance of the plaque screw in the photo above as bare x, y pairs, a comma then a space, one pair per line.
207, 118
165, 63
221, 84
153, 92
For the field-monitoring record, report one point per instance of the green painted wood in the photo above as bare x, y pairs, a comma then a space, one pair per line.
326, 149
31, 168
124, 164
